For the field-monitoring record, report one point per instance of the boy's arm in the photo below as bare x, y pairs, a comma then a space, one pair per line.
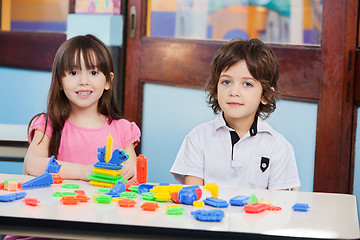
36, 160
192, 180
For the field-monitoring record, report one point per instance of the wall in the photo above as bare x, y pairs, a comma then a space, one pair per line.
169, 113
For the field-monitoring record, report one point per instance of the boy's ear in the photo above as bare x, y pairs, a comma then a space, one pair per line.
108, 83
263, 100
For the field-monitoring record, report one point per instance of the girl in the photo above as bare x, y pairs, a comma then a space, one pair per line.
81, 113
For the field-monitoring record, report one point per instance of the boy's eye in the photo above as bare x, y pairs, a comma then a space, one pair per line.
247, 84
225, 82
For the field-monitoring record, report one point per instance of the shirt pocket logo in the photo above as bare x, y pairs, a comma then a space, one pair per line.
264, 164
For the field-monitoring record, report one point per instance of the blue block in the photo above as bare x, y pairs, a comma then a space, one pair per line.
187, 196
118, 156
101, 154
301, 207
216, 202
53, 166
118, 188
108, 165
12, 196
143, 188
208, 215
239, 201
44, 180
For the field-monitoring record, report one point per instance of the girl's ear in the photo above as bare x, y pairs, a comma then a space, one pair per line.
108, 83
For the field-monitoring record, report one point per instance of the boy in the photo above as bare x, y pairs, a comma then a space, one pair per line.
238, 148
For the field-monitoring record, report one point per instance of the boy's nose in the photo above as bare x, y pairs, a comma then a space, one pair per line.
234, 91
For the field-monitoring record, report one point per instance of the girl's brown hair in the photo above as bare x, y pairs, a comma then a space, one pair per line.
96, 55
261, 63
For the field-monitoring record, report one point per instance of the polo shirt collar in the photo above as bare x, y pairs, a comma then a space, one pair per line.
259, 125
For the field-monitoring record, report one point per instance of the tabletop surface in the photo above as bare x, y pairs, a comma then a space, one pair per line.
331, 216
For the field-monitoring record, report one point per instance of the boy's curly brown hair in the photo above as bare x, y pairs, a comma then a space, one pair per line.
261, 63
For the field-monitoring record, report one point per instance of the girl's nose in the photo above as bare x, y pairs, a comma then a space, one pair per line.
83, 79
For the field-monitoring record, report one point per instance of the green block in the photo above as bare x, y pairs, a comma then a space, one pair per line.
252, 199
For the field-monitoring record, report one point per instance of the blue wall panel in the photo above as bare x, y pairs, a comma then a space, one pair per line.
23, 94
11, 167
296, 121
169, 113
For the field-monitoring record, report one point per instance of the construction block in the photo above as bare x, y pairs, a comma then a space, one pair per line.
53, 166
216, 202
12, 186
108, 172
12, 196
44, 180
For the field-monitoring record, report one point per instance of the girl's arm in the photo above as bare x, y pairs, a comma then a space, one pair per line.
191, 180
36, 160
129, 166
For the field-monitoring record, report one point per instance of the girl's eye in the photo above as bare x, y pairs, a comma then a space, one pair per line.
73, 73
94, 73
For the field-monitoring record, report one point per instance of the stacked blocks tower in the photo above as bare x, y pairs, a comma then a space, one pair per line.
107, 172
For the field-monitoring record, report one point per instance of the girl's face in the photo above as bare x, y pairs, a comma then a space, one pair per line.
239, 94
84, 87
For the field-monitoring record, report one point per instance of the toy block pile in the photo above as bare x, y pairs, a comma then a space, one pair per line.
107, 172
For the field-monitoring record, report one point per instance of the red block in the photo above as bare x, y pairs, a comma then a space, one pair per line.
255, 208
141, 169
150, 206
31, 201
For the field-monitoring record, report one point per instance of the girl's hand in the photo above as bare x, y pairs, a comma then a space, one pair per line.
129, 171
87, 169
129, 166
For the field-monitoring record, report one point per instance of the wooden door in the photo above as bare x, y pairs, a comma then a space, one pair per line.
319, 74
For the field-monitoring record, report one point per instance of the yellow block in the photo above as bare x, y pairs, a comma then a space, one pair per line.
262, 201
101, 184
162, 196
157, 189
108, 172
172, 206
198, 204
175, 188
213, 188
108, 148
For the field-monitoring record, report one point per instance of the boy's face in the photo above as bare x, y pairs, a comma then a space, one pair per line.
239, 94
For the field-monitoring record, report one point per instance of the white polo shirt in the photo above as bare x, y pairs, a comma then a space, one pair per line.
263, 159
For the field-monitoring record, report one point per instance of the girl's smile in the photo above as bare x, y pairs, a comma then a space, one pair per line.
84, 93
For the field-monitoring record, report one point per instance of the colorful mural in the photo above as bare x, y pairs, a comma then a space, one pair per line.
280, 21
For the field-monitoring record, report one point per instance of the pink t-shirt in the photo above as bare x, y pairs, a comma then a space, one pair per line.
80, 145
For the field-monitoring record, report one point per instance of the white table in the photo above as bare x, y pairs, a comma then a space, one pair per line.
331, 216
